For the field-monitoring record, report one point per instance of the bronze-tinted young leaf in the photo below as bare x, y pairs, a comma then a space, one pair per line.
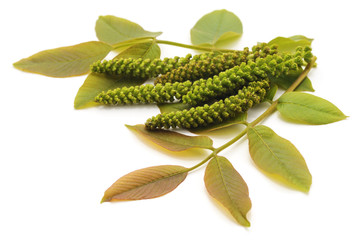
171, 140
65, 61
96, 83
227, 186
290, 44
111, 29
285, 81
146, 183
145, 50
307, 108
216, 27
278, 157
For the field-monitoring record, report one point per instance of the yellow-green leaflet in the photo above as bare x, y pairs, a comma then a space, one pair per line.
216, 27
65, 61
227, 186
279, 158
307, 108
111, 29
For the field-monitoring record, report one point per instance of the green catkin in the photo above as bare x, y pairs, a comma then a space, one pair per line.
228, 82
143, 68
214, 64
200, 91
147, 93
212, 114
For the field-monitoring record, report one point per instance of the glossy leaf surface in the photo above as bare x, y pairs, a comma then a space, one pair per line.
227, 186
146, 183
65, 61
171, 140
279, 158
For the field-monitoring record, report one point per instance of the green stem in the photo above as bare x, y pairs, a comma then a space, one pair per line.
195, 47
133, 41
272, 108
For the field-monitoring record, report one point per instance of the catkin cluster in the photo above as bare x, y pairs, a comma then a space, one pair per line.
217, 112
213, 65
200, 91
215, 86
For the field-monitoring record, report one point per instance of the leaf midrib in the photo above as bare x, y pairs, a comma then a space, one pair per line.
154, 181
312, 108
270, 150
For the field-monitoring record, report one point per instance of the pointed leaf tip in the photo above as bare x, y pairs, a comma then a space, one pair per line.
227, 186
279, 158
65, 61
307, 108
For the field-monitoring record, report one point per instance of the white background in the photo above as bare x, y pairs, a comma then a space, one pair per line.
56, 162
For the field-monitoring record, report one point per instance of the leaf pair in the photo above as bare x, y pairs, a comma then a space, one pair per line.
277, 156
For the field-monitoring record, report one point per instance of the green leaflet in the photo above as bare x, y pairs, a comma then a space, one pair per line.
145, 50
227, 186
171, 140
146, 183
112, 30
307, 108
278, 157
216, 27
65, 61
290, 44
